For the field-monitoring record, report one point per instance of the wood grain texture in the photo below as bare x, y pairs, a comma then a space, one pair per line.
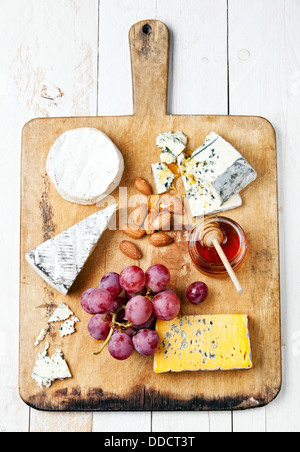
96, 385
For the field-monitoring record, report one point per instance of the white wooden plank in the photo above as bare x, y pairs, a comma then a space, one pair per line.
115, 84
64, 422
192, 421
198, 59
48, 67
264, 80
122, 422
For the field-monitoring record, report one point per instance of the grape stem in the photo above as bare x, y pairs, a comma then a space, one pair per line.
113, 324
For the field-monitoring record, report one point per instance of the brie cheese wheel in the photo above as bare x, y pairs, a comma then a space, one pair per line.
60, 260
85, 166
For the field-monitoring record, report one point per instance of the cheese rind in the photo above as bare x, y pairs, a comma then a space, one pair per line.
203, 342
201, 196
223, 167
60, 260
85, 166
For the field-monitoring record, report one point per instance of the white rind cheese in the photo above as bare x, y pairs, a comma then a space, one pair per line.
60, 260
202, 198
85, 166
173, 145
163, 177
221, 166
48, 369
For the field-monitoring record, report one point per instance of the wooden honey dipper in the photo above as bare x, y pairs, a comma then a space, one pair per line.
212, 236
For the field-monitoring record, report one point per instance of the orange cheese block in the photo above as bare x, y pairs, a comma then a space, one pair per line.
203, 342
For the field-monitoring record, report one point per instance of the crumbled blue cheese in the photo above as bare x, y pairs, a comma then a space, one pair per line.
173, 145
220, 165
68, 327
163, 177
202, 198
41, 337
63, 312
48, 369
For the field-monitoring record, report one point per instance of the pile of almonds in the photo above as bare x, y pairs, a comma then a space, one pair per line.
151, 220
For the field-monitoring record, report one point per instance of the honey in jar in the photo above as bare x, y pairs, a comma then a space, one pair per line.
234, 245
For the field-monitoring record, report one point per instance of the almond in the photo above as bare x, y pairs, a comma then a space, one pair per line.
160, 239
162, 221
148, 224
130, 250
133, 231
143, 186
172, 203
138, 215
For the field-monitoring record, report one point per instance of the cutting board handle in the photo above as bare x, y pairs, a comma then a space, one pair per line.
149, 47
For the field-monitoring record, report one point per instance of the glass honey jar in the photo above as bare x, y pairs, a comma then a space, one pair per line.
234, 245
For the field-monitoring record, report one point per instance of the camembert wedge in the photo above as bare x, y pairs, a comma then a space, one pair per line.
60, 260
203, 342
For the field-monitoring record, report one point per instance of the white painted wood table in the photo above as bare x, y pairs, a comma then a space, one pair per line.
71, 58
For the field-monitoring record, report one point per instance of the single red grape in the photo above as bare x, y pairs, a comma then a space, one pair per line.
99, 326
157, 278
138, 310
166, 305
85, 301
197, 292
111, 283
100, 301
132, 279
146, 342
120, 346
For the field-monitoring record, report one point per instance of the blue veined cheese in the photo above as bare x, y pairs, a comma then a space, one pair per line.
163, 177
60, 260
63, 312
202, 198
173, 145
203, 343
41, 337
49, 369
68, 327
219, 164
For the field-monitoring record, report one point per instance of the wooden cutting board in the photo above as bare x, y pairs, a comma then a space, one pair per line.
102, 383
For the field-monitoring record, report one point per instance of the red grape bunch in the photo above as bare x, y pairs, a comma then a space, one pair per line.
126, 323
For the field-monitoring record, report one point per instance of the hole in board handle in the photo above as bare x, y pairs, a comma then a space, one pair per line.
147, 29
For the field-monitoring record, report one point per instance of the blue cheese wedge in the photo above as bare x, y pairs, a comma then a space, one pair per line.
49, 369
163, 177
201, 197
68, 327
60, 260
173, 145
221, 166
